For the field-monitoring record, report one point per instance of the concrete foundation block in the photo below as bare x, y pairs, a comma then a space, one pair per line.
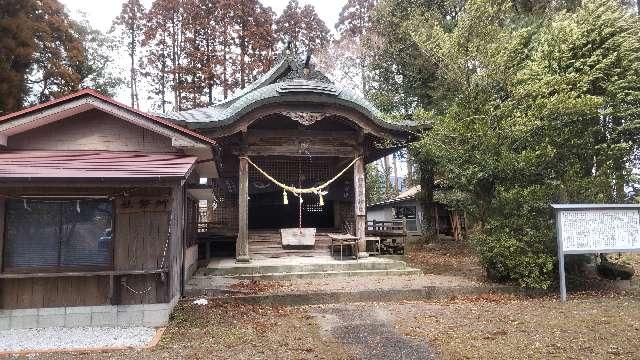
156, 318
104, 318
24, 312
24, 322
77, 319
51, 320
130, 318
52, 311
5, 322
104, 308
161, 306
79, 310
127, 308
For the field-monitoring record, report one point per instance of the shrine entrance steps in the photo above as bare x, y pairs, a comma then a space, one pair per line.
219, 273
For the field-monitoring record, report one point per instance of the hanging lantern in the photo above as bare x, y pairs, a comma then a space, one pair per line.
285, 199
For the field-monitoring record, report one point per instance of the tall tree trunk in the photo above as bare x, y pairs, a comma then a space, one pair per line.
163, 82
243, 52
132, 55
209, 71
396, 188
427, 181
409, 180
387, 176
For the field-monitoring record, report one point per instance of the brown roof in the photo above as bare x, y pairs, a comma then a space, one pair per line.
95, 94
108, 165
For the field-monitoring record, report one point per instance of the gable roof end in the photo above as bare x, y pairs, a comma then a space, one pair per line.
84, 100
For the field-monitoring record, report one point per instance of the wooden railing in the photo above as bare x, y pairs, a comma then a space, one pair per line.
391, 227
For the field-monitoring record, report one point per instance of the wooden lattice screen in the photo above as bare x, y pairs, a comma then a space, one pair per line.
287, 170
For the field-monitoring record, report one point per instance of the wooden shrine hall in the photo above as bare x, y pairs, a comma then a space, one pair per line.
291, 154
100, 203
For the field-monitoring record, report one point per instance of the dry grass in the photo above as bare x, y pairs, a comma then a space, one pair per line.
506, 327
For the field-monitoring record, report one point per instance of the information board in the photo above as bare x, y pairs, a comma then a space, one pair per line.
595, 228
599, 230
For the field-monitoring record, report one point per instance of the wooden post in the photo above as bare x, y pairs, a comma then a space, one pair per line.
360, 207
242, 244
2, 230
435, 210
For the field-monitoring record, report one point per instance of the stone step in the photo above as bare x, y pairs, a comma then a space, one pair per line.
199, 285
291, 267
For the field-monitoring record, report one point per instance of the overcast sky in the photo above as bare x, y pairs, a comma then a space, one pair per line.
102, 13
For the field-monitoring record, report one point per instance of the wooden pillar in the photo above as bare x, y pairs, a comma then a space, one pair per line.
242, 243
2, 230
360, 206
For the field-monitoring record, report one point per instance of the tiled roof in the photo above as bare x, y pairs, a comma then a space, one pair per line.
282, 82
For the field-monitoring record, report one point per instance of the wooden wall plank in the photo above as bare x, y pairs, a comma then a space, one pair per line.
91, 130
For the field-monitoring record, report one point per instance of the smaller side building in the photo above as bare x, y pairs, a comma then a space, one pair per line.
97, 213
407, 205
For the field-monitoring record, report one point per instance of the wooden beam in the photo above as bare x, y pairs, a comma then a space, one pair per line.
294, 150
80, 274
354, 116
242, 244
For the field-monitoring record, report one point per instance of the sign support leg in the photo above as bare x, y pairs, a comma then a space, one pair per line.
563, 285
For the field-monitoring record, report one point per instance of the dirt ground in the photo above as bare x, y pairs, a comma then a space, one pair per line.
602, 323
589, 326
446, 257
233, 331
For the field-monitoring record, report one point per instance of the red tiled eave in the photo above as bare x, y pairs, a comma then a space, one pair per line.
42, 164
91, 92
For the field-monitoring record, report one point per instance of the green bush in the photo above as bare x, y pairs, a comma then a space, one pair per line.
508, 258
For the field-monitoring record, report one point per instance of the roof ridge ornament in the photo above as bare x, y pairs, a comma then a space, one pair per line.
300, 70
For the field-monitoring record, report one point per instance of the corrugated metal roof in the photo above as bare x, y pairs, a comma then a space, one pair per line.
407, 195
41, 164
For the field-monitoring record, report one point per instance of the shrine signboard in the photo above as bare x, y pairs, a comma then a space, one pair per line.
595, 228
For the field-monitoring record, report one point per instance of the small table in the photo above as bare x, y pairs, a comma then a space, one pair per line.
342, 240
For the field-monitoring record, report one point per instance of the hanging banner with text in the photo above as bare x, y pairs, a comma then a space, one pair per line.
595, 228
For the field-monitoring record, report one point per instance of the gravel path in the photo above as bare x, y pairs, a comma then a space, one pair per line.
74, 338
368, 331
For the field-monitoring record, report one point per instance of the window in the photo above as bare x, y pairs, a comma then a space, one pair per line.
58, 234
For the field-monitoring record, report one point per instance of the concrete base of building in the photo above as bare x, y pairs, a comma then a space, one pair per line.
149, 315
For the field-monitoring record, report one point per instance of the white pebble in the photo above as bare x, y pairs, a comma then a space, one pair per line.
74, 338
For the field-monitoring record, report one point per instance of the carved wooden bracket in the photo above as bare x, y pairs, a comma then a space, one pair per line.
305, 118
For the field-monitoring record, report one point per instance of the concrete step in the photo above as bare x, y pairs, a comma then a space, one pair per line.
290, 266
207, 285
